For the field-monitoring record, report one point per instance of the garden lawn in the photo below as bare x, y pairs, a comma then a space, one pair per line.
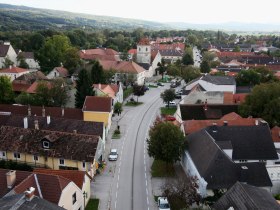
161, 169
168, 111
92, 204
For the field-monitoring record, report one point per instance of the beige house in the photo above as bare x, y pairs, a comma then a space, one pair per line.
115, 91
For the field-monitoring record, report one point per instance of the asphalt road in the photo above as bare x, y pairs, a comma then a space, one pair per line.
196, 57
131, 183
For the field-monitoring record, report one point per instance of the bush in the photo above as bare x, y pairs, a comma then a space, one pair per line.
15, 166
116, 132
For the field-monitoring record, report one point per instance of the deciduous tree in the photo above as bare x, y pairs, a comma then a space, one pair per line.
168, 95
97, 73
205, 67
6, 91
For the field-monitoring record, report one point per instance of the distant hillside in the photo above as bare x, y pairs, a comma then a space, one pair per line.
27, 18
229, 26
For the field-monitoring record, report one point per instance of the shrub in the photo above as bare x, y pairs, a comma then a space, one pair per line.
116, 132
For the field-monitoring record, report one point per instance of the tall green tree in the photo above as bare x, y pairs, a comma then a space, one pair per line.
84, 88
168, 95
205, 67
97, 73
189, 73
43, 94
138, 91
248, 77
59, 92
187, 59
161, 67
166, 142
118, 108
263, 102
7, 62
25, 99
53, 52
22, 62
6, 90
71, 59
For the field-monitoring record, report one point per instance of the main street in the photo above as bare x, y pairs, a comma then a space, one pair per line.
129, 180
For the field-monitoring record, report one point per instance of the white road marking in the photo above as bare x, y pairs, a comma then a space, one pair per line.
145, 175
119, 170
115, 204
118, 177
116, 194
118, 185
146, 183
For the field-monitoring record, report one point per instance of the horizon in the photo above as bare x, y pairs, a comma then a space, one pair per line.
191, 16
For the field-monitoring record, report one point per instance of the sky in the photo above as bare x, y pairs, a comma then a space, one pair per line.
188, 11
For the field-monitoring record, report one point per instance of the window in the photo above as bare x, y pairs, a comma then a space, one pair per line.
139, 49
2, 154
35, 158
242, 161
84, 164
146, 48
46, 144
61, 161
74, 198
17, 155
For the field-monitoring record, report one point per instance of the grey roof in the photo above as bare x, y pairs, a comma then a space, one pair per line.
27, 55
56, 124
246, 197
4, 50
248, 142
219, 80
19, 202
218, 170
145, 66
170, 53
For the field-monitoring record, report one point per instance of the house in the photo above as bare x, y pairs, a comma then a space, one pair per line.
275, 133
219, 156
28, 57
22, 83
245, 196
13, 72
98, 109
204, 111
51, 149
170, 55
57, 124
52, 188
81, 178
26, 202
58, 72
7, 52
124, 68
213, 83
191, 126
99, 54
115, 91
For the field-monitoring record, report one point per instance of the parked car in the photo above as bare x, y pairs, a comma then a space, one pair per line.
178, 96
145, 88
170, 118
160, 84
163, 203
171, 104
113, 154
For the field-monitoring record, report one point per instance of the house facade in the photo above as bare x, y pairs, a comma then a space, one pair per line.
13, 72
7, 52
115, 91
58, 72
29, 59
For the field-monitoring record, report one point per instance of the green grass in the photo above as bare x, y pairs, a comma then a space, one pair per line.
116, 136
152, 86
161, 169
92, 204
133, 103
168, 111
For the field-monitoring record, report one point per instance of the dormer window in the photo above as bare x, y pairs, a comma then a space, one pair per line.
61, 161
46, 144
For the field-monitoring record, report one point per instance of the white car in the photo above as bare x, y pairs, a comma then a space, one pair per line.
113, 154
163, 203
171, 104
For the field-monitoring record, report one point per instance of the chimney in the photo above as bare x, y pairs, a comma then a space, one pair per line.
36, 124
75, 131
43, 112
99, 86
25, 122
48, 119
256, 122
10, 67
225, 123
11, 178
29, 110
29, 193
62, 111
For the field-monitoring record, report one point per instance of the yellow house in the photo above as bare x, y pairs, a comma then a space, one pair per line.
98, 109
50, 149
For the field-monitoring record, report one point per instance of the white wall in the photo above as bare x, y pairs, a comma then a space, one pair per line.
65, 200
155, 63
140, 78
53, 74
212, 87
143, 54
32, 63
86, 187
190, 169
13, 76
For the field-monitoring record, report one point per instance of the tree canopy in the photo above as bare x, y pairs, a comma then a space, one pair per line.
161, 67
187, 59
263, 102
166, 142
97, 73
6, 91
205, 67
84, 88
168, 95
189, 73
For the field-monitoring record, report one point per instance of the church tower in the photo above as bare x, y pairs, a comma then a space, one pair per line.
144, 51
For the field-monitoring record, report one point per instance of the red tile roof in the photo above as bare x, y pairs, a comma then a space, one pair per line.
76, 176
114, 87
228, 97
275, 133
132, 51
68, 113
13, 70
191, 126
239, 97
63, 72
144, 41
231, 116
20, 87
122, 66
234, 54
32, 89
172, 46
100, 54
98, 104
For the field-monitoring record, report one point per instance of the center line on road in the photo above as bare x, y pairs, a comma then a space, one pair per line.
115, 204
119, 170
118, 177
116, 195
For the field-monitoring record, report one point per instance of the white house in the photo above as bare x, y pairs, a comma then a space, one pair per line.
213, 83
29, 59
115, 91
7, 52
13, 72
58, 72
